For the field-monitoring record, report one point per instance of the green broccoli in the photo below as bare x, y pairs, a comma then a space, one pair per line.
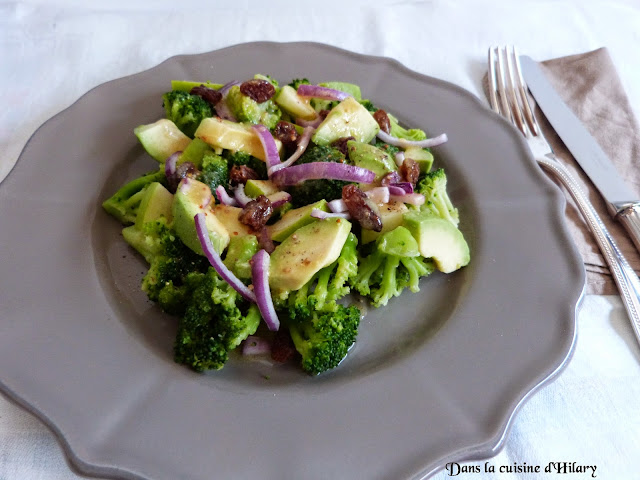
268, 78
394, 265
186, 110
433, 186
322, 329
214, 172
296, 82
124, 204
242, 158
324, 338
368, 105
217, 319
385, 147
245, 109
397, 131
312, 191
170, 264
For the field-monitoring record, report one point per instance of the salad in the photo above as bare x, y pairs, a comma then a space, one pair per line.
270, 205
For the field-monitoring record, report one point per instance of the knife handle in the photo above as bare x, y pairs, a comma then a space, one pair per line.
625, 278
629, 217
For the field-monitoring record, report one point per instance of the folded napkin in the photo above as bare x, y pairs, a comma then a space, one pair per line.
590, 86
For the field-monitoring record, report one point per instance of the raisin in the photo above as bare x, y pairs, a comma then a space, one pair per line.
184, 170
239, 174
287, 134
383, 120
211, 96
264, 241
256, 213
361, 208
282, 347
258, 90
341, 144
410, 170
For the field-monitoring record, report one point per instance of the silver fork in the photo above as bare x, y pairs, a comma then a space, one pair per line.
508, 97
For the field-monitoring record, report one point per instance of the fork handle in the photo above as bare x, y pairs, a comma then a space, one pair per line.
624, 276
629, 217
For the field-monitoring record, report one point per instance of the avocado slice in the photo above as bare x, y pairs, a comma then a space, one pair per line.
239, 254
232, 136
438, 239
309, 249
195, 152
350, 88
255, 188
155, 204
228, 216
161, 139
295, 105
194, 197
295, 219
371, 157
392, 216
422, 156
347, 119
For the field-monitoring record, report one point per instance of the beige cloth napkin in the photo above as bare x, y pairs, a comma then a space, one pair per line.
590, 86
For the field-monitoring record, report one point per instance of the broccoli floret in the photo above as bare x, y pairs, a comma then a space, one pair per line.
124, 204
215, 322
385, 147
245, 109
214, 172
296, 82
186, 110
401, 132
368, 105
434, 188
322, 329
243, 158
312, 191
324, 338
170, 264
394, 265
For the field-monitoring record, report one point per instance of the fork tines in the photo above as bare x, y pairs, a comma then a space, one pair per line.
507, 90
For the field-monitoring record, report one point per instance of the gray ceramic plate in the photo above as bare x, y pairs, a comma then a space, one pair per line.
434, 377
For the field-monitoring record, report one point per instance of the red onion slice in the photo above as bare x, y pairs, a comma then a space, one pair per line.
380, 194
309, 123
402, 143
303, 143
337, 206
416, 199
255, 345
400, 188
279, 198
321, 214
324, 93
271, 154
216, 261
170, 163
260, 278
222, 109
241, 197
330, 170
224, 197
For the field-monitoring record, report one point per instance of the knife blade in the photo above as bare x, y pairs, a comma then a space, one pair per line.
622, 202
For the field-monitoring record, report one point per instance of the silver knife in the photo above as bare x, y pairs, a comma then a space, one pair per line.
623, 204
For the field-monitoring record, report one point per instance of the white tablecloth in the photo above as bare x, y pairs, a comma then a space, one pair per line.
51, 52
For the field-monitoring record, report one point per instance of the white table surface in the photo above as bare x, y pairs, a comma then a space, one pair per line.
52, 52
